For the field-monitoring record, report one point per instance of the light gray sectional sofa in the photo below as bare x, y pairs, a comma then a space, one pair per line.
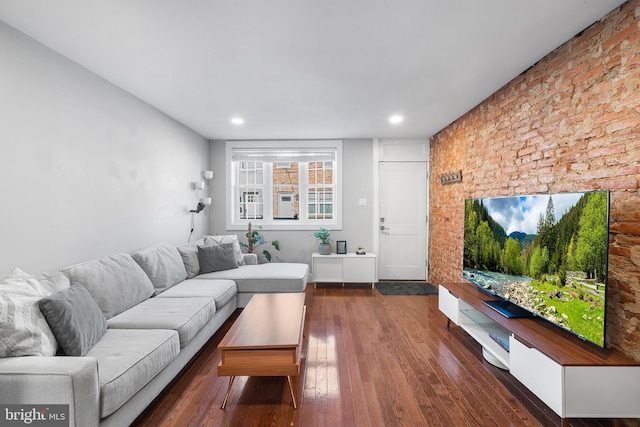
142, 320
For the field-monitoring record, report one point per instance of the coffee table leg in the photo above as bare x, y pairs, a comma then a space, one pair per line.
228, 391
293, 397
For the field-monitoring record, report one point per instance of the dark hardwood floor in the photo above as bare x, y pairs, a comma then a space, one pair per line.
368, 360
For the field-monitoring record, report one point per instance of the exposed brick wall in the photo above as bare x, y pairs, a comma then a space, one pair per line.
569, 123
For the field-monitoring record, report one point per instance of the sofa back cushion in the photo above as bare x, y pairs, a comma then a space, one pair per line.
189, 254
163, 264
23, 329
116, 282
53, 281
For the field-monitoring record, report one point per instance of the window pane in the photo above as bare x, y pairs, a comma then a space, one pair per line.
286, 190
250, 177
320, 192
251, 204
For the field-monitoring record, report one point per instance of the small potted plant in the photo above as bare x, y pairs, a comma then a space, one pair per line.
255, 240
324, 235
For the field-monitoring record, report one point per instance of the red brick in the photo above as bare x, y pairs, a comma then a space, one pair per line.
620, 184
622, 124
632, 228
607, 151
589, 74
619, 37
579, 167
630, 170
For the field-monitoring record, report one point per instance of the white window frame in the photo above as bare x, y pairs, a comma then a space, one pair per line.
233, 222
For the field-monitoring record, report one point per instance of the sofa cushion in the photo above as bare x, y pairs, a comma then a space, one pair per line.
184, 315
75, 319
227, 238
116, 282
127, 360
217, 257
163, 264
23, 329
54, 281
222, 291
189, 254
271, 277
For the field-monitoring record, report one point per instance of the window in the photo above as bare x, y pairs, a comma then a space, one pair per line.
250, 178
320, 190
291, 185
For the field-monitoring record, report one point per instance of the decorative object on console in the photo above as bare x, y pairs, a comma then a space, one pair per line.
324, 235
341, 247
451, 177
360, 251
254, 240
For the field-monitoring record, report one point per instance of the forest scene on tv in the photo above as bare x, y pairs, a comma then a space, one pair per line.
546, 253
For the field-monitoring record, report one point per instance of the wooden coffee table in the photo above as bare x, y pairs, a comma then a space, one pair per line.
265, 340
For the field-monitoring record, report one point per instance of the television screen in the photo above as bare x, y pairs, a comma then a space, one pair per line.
545, 253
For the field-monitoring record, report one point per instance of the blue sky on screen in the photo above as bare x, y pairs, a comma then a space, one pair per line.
521, 213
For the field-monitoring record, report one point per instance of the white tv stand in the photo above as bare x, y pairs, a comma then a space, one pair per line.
344, 268
574, 378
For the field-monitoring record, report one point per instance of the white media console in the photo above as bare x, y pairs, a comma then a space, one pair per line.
574, 378
344, 268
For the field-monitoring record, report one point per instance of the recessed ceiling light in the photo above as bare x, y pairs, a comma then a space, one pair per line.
237, 121
396, 119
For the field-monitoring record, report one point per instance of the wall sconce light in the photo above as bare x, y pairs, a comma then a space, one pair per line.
198, 208
451, 177
203, 202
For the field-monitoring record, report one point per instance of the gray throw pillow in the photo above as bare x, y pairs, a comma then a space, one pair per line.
75, 319
217, 258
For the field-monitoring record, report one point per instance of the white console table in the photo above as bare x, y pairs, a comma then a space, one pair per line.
574, 378
344, 268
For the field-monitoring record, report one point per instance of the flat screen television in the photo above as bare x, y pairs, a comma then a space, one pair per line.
545, 254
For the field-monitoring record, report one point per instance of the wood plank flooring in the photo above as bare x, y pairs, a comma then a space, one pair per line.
368, 360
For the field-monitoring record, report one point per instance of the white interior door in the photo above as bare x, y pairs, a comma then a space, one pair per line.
403, 220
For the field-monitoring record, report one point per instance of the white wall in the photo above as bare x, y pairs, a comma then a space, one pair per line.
297, 246
87, 170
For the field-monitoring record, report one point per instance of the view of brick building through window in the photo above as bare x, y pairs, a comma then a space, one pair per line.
286, 190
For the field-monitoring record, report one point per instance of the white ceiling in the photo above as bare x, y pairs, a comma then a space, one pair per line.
304, 68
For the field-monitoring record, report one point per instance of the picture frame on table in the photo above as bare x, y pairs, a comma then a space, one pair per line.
341, 247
